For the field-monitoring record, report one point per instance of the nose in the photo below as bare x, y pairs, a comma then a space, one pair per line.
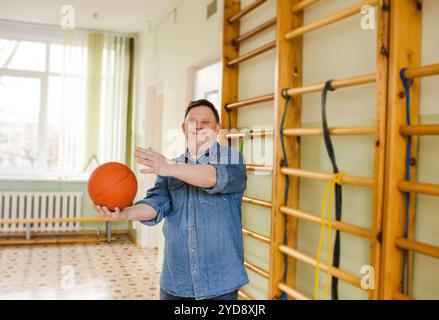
199, 126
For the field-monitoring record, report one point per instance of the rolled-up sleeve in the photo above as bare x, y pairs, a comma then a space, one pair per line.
231, 174
159, 199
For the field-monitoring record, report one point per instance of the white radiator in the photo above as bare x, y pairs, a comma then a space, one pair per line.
36, 205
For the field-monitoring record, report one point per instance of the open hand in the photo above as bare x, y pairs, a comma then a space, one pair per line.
117, 214
154, 161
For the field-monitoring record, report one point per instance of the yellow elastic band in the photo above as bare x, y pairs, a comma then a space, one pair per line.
326, 206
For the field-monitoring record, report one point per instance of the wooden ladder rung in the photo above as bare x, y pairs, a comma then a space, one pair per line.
257, 202
252, 54
419, 130
348, 228
351, 131
357, 181
424, 71
302, 5
255, 235
259, 168
251, 101
346, 13
417, 187
292, 292
336, 84
257, 133
255, 31
256, 269
244, 296
342, 275
419, 247
246, 10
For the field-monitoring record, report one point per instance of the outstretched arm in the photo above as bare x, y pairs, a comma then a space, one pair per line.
199, 175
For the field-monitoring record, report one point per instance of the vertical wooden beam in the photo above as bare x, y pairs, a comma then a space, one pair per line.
230, 74
288, 75
380, 142
405, 39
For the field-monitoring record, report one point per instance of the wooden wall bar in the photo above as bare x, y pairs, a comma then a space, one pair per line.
288, 75
405, 40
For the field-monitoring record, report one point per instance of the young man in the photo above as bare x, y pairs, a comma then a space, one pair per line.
199, 194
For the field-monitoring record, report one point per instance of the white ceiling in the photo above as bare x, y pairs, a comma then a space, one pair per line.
127, 16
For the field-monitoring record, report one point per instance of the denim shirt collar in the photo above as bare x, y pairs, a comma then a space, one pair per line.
211, 153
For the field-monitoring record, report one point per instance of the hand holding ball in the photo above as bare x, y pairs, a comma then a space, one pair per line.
112, 185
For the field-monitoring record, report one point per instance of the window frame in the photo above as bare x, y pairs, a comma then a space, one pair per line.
41, 171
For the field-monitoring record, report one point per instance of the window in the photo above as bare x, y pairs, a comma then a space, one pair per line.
32, 74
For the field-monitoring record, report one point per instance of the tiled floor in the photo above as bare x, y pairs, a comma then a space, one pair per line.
120, 270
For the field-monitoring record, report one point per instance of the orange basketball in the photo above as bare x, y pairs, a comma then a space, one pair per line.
112, 185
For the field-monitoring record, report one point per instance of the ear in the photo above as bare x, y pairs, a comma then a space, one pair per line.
183, 127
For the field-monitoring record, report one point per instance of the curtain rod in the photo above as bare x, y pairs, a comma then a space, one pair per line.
57, 28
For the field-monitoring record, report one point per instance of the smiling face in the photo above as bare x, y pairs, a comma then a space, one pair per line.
200, 128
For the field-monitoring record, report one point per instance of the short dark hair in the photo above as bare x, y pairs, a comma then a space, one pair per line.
202, 103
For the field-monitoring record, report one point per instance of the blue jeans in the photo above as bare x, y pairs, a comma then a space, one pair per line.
227, 296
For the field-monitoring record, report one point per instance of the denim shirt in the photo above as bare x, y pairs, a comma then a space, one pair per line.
203, 253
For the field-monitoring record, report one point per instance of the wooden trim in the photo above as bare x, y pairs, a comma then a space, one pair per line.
302, 5
255, 31
426, 249
255, 235
256, 270
336, 84
292, 292
251, 101
351, 131
405, 40
257, 202
419, 130
342, 275
245, 10
341, 15
356, 181
63, 233
348, 228
55, 240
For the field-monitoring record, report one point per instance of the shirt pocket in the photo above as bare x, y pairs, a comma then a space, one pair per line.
177, 191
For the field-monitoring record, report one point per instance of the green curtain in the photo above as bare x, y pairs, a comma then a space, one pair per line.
96, 43
95, 46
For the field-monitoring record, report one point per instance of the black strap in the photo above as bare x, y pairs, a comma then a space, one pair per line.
338, 188
229, 118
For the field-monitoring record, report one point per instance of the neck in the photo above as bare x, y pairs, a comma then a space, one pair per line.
198, 151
